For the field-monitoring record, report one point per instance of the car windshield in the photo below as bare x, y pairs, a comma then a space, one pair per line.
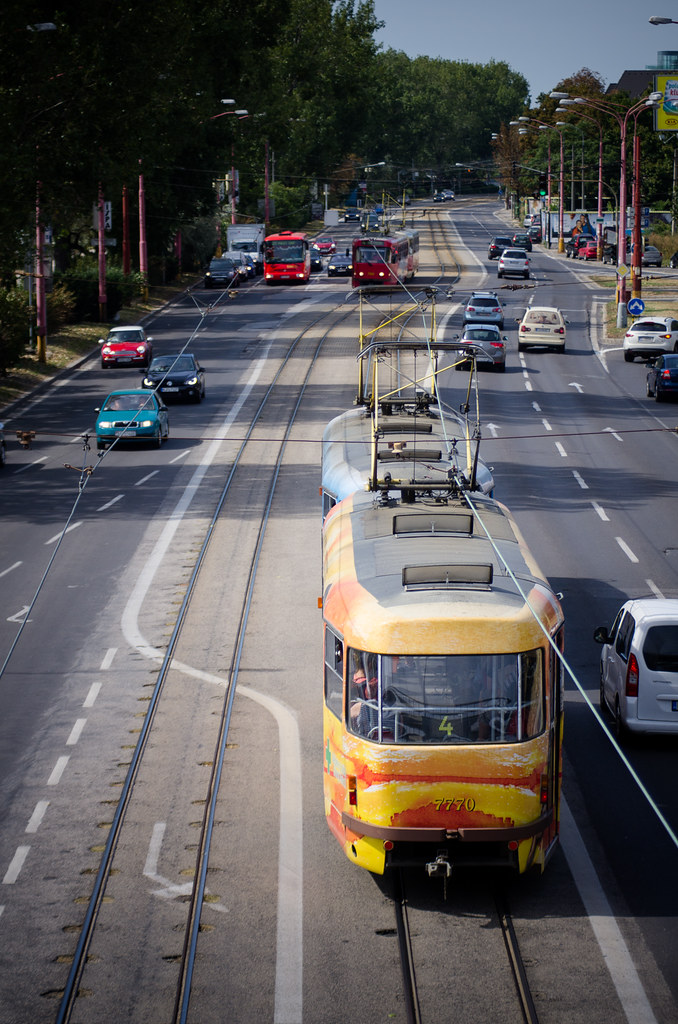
131, 335
369, 254
542, 316
175, 364
515, 254
222, 265
502, 241
446, 698
125, 403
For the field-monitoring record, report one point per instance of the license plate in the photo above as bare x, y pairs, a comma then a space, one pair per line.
169, 389
648, 337
542, 330
124, 359
125, 433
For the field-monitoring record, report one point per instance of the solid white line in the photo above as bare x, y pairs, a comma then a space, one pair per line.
626, 549
632, 997
11, 569
108, 504
37, 816
76, 732
108, 658
57, 771
92, 695
15, 867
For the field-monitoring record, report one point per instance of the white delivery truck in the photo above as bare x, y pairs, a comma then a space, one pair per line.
248, 238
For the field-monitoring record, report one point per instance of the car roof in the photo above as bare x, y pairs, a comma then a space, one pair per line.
127, 327
650, 320
653, 608
545, 309
485, 295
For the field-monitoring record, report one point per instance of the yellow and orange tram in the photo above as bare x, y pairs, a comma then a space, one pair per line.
442, 685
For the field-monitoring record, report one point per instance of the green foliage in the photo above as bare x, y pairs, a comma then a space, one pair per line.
60, 307
15, 320
82, 280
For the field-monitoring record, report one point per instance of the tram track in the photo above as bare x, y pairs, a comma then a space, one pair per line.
274, 415
496, 906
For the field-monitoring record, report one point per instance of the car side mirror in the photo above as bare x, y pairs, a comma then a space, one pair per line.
150, 339
101, 341
97, 408
600, 635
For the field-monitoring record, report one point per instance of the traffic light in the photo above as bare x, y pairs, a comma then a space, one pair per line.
543, 184
514, 167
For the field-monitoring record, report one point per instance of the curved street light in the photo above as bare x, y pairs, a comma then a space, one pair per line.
662, 21
622, 119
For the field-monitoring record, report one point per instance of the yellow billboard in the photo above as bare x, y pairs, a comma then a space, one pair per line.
666, 115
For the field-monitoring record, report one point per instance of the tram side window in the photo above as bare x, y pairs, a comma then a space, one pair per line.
334, 672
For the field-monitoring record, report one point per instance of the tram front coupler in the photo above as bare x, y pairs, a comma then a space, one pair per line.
440, 867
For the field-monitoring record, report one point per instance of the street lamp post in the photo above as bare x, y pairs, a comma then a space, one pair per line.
545, 126
563, 108
622, 119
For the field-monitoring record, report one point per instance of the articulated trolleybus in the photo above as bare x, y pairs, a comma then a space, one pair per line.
384, 264
442, 682
287, 258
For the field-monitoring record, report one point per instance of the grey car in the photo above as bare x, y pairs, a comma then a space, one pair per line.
513, 263
484, 308
486, 343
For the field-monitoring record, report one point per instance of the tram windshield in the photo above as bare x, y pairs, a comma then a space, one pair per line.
370, 254
441, 699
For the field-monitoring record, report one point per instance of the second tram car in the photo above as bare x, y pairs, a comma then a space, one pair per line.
380, 264
287, 258
442, 685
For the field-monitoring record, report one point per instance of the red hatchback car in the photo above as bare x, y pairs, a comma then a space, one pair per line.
126, 346
589, 251
325, 245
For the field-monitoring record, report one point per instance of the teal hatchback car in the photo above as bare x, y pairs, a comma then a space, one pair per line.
132, 416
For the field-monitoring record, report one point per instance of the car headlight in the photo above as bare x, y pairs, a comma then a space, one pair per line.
147, 382
105, 351
106, 424
146, 423
141, 349
192, 381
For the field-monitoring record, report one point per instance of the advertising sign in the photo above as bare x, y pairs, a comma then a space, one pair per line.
666, 115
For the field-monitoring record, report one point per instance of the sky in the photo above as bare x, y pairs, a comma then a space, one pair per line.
544, 40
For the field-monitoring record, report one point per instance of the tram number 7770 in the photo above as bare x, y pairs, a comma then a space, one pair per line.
457, 803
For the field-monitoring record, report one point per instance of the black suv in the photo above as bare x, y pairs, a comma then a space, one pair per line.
497, 246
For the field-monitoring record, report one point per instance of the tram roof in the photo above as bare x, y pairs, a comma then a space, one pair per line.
424, 445
424, 578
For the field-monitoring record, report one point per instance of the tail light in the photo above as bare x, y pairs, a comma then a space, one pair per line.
524, 329
544, 789
666, 374
352, 786
632, 677
560, 330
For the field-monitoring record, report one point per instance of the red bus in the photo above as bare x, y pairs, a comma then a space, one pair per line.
380, 264
287, 257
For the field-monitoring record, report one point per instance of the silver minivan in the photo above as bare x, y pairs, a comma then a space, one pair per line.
639, 666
